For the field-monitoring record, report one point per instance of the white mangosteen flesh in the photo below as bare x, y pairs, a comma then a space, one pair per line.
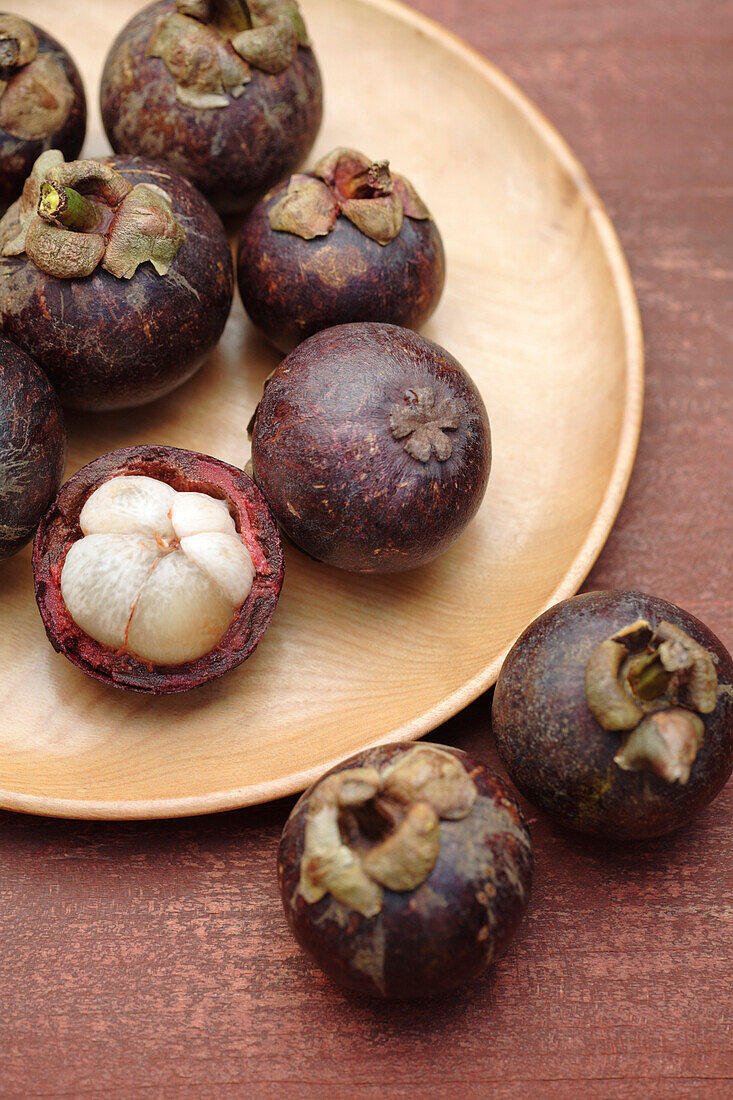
158, 573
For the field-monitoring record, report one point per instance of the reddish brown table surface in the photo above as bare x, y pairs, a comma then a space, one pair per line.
152, 959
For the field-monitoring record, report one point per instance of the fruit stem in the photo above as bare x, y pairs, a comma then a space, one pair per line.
65, 206
371, 183
647, 677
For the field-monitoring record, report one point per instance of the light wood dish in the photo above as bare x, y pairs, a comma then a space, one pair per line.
539, 308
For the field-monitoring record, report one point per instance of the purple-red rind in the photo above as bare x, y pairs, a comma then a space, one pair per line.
431, 937
32, 447
292, 288
561, 758
185, 471
338, 482
233, 154
18, 155
109, 343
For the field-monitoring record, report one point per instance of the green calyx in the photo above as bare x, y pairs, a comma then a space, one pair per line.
210, 46
73, 217
653, 684
347, 183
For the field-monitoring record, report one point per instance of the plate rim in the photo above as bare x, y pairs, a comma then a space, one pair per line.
628, 439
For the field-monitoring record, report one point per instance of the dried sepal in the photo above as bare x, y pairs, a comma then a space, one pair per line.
412, 204
206, 72
144, 230
14, 224
665, 742
62, 252
36, 101
425, 423
91, 177
307, 209
678, 651
340, 165
608, 701
328, 865
431, 775
106, 220
405, 858
18, 42
378, 218
270, 47
196, 9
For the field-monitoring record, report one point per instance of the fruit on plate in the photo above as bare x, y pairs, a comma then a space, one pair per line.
405, 870
157, 569
614, 713
225, 92
349, 241
372, 447
42, 103
117, 278
32, 447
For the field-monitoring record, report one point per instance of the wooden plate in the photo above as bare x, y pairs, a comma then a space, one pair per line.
538, 307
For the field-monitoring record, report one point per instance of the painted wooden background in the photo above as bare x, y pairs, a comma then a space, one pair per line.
151, 959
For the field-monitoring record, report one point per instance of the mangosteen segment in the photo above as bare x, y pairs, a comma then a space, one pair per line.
640, 680
159, 573
72, 217
208, 47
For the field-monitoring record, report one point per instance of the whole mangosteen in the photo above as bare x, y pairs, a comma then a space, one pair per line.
117, 278
372, 447
405, 871
157, 569
32, 447
350, 241
225, 92
614, 713
42, 103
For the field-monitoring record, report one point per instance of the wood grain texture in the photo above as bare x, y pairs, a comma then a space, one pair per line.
538, 308
151, 959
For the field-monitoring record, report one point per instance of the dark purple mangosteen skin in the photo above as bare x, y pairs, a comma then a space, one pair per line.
108, 343
233, 154
338, 482
18, 155
445, 932
186, 471
561, 758
292, 288
32, 447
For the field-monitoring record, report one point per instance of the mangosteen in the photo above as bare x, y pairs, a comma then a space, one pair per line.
42, 103
614, 713
32, 447
350, 241
117, 278
371, 445
157, 569
225, 92
405, 871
